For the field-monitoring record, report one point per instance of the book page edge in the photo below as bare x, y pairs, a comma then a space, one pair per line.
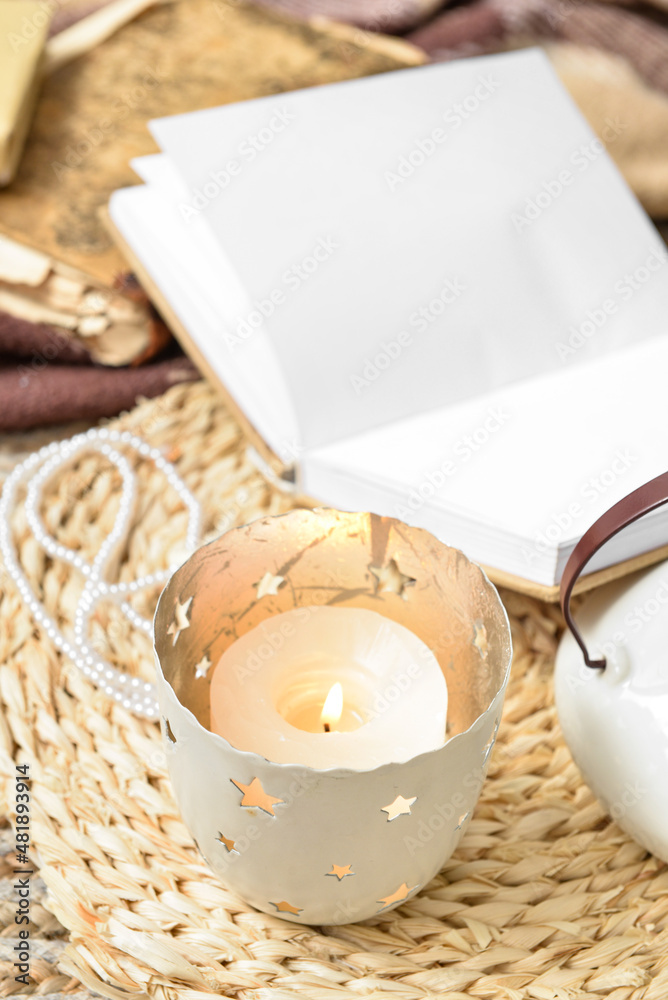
189, 345
549, 593
591, 581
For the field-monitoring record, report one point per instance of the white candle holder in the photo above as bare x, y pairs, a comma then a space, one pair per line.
328, 846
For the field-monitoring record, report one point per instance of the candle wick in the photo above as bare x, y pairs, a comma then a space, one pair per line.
326, 727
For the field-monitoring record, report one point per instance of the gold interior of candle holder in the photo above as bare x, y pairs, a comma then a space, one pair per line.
326, 557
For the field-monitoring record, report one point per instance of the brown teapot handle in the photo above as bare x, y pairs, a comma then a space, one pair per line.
632, 507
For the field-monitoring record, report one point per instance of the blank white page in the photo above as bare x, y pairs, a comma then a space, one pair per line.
193, 274
536, 464
317, 173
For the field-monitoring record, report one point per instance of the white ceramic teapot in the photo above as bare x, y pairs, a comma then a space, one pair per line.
613, 705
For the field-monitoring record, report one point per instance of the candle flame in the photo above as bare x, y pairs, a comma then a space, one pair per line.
333, 707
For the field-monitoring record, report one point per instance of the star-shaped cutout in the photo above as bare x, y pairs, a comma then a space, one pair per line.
462, 819
403, 892
480, 639
168, 731
341, 871
284, 907
269, 584
229, 844
202, 668
255, 795
180, 619
400, 807
390, 579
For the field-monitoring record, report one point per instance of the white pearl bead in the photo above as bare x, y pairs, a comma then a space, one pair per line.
129, 691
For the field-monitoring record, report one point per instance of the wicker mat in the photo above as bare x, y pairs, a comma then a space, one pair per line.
546, 897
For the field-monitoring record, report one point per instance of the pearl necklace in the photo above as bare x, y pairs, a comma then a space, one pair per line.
132, 693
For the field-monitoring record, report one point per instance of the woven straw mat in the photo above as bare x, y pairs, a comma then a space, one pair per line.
546, 898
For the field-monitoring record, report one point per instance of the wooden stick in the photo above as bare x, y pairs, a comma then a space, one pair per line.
90, 31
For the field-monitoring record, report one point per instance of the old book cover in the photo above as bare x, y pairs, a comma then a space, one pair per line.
180, 56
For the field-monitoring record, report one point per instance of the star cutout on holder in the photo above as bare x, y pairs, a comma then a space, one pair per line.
202, 668
255, 795
284, 907
403, 892
480, 639
391, 580
168, 730
400, 807
341, 871
229, 844
180, 619
269, 584
462, 819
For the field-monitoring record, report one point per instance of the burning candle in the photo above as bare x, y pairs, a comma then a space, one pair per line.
332, 710
330, 687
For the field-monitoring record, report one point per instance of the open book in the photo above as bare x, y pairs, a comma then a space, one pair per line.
431, 293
